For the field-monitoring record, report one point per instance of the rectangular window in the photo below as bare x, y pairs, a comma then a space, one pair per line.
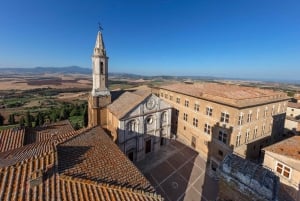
283, 170
273, 110
209, 111
185, 117
247, 135
257, 114
195, 122
223, 137
193, 143
263, 129
249, 117
161, 95
224, 117
266, 112
207, 129
238, 140
255, 132
177, 113
186, 103
171, 97
177, 100
241, 117
196, 107
166, 95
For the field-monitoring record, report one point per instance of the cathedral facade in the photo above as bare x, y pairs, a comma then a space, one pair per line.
139, 121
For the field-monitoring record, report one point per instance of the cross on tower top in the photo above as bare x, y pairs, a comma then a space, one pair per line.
100, 26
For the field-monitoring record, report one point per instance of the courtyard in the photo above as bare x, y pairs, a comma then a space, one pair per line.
179, 173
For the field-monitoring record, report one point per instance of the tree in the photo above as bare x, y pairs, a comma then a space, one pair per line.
11, 119
28, 119
1, 120
39, 119
63, 114
22, 121
76, 126
85, 117
54, 116
75, 111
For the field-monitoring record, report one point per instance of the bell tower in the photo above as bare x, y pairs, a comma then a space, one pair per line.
100, 95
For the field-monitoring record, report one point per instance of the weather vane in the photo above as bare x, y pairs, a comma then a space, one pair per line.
100, 26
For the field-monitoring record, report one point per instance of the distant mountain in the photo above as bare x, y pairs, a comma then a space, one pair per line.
43, 70
115, 75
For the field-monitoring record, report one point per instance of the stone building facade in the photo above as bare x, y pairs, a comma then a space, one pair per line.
242, 180
140, 122
283, 158
292, 121
218, 119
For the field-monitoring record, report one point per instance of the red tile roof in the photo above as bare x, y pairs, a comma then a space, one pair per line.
48, 131
127, 102
30, 172
94, 156
234, 95
74, 188
11, 139
289, 147
294, 105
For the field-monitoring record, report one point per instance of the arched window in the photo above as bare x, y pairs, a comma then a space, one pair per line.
132, 126
164, 117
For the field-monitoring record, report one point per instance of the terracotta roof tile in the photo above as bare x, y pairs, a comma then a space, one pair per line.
48, 131
289, 147
126, 102
11, 138
229, 94
33, 179
94, 156
30, 172
294, 105
26, 152
90, 190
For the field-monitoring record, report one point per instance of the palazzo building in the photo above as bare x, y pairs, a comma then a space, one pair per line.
218, 119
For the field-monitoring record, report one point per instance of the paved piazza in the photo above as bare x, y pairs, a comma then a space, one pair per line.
178, 173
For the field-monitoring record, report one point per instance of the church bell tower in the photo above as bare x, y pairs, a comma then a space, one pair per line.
100, 95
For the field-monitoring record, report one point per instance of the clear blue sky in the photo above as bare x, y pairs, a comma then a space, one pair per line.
232, 38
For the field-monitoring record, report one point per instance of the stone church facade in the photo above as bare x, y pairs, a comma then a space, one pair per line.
139, 122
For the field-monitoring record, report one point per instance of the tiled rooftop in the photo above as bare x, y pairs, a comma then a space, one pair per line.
234, 95
30, 172
11, 138
72, 189
127, 101
94, 156
289, 147
294, 105
48, 131
32, 179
